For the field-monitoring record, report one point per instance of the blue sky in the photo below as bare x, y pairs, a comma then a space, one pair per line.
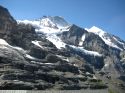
108, 15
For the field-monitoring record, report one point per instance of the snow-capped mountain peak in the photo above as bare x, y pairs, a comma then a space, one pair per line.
58, 49
48, 24
96, 30
106, 37
58, 21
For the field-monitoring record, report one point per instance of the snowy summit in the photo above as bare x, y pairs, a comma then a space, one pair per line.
48, 24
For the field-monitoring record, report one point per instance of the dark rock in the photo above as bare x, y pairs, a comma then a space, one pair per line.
102, 73
122, 77
5, 60
9, 77
88, 68
31, 67
47, 77
51, 58
108, 77
96, 61
77, 79
22, 36
16, 86
95, 43
43, 86
37, 52
67, 68
98, 86
73, 36
50, 67
7, 23
95, 80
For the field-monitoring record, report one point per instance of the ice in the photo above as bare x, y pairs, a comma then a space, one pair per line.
56, 41
30, 57
49, 26
120, 42
82, 40
103, 35
106, 65
63, 58
41, 63
37, 43
94, 77
3, 42
86, 51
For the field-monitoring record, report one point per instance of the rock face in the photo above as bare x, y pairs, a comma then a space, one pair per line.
73, 36
22, 36
29, 60
7, 23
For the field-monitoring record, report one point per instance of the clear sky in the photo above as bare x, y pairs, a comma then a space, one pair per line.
108, 15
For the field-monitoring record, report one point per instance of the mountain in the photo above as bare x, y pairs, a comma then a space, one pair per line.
109, 39
47, 24
50, 53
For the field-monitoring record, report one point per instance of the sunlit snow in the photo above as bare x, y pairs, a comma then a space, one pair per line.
30, 57
121, 43
37, 43
56, 41
48, 24
41, 63
3, 42
102, 33
63, 58
86, 51
82, 40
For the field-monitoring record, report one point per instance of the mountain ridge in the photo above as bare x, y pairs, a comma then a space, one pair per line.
93, 29
50, 56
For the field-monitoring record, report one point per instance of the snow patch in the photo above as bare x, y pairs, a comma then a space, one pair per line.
18, 48
37, 43
46, 30
3, 42
94, 77
47, 23
102, 34
56, 41
41, 63
87, 73
28, 22
82, 40
106, 65
86, 51
122, 59
63, 58
30, 57
123, 44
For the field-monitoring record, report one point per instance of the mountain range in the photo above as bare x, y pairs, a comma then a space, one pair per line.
50, 53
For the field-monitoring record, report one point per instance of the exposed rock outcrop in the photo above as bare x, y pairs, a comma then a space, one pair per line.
30, 61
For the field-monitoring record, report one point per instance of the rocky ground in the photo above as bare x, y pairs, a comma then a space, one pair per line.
19, 70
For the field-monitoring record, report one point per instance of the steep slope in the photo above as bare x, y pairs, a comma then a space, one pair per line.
109, 39
50, 53
7, 23
48, 24
30, 60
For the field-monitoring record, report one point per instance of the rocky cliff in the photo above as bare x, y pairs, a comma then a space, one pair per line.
54, 54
